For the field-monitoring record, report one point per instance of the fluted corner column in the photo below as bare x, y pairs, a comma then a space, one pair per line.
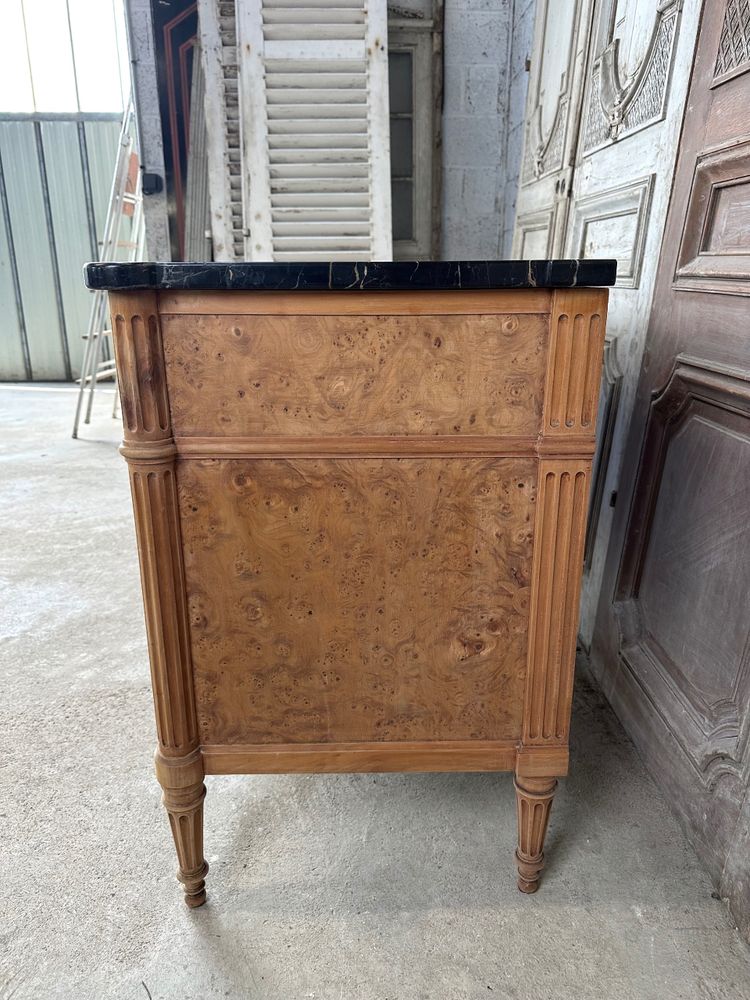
149, 449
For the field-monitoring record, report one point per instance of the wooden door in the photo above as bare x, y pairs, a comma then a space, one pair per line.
671, 646
552, 116
637, 76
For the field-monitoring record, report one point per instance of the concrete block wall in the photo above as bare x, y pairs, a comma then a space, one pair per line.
522, 38
480, 165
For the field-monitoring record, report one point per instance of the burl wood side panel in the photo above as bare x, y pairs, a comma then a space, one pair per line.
351, 600
348, 374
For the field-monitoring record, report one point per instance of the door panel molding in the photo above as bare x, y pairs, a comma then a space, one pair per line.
631, 204
619, 107
528, 230
715, 246
710, 720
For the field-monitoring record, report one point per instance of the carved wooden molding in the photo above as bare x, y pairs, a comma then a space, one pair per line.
691, 379
715, 246
562, 498
713, 734
185, 810
618, 107
143, 386
572, 389
150, 452
533, 800
160, 550
575, 362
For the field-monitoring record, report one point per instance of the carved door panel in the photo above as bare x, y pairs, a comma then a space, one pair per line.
553, 109
671, 646
636, 83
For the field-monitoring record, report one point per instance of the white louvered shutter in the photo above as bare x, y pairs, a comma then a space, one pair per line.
315, 138
216, 20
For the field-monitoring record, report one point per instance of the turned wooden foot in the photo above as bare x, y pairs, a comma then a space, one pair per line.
184, 792
533, 803
185, 809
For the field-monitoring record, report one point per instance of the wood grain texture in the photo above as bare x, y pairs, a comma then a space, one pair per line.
534, 801
150, 452
515, 302
334, 375
360, 535
358, 600
136, 335
182, 781
542, 761
574, 362
339, 758
384, 446
149, 449
558, 560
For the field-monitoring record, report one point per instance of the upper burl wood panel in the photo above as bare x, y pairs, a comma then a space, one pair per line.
351, 600
343, 375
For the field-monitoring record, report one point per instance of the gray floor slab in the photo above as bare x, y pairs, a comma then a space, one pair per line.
362, 887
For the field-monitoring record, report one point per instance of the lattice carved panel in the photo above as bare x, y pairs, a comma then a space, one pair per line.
618, 107
734, 44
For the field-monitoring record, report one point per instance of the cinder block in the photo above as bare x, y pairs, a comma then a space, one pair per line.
472, 140
475, 38
482, 90
454, 85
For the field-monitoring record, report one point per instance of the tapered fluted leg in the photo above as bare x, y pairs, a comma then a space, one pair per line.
185, 809
533, 803
184, 792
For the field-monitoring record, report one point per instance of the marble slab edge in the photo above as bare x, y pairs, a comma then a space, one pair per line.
345, 276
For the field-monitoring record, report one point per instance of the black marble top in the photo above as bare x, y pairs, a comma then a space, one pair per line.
341, 276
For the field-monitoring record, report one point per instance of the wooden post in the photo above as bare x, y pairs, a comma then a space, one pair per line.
149, 449
574, 361
534, 801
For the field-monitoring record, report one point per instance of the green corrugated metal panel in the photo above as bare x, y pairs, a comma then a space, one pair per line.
54, 301
102, 139
72, 241
34, 260
11, 338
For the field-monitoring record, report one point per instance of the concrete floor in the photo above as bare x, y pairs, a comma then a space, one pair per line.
352, 886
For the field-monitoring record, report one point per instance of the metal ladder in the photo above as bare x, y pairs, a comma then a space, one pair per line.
98, 358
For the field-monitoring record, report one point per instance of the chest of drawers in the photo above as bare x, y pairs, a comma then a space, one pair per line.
360, 497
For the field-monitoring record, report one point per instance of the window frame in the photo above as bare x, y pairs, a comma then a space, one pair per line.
423, 40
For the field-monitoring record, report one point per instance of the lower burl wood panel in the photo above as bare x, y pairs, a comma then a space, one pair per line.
351, 600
